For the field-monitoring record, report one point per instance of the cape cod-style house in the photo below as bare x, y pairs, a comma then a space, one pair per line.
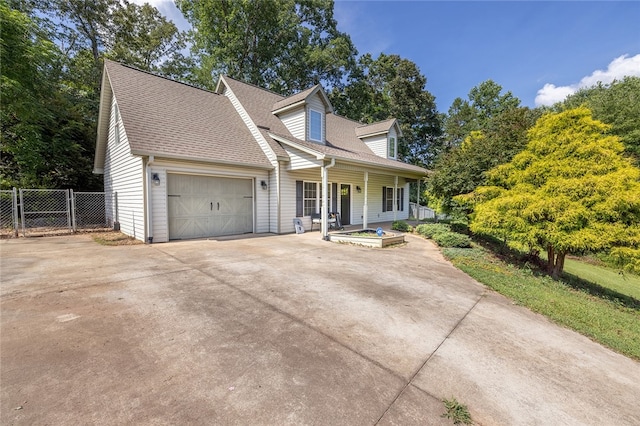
180, 162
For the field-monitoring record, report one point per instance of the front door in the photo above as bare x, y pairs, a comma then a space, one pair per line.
345, 204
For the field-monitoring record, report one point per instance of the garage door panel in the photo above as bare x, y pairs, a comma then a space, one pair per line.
205, 206
190, 227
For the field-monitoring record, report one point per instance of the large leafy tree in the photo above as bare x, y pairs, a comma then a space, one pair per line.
493, 128
142, 37
51, 67
282, 45
570, 191
41, 122
391, 86
485, 102
617, 104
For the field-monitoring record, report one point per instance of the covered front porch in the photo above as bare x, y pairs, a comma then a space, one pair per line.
360, 198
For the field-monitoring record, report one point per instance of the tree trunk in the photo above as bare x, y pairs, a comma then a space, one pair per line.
555, 262
550, 259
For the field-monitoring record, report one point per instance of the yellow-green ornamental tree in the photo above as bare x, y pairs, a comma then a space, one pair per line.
569, 191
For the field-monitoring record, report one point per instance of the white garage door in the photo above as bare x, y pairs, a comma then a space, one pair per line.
204, 206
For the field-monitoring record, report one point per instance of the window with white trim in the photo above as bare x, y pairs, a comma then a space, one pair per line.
392, 147
310, 198
315, 125
387, 204
387, 199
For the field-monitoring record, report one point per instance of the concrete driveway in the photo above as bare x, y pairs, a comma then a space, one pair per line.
283, 330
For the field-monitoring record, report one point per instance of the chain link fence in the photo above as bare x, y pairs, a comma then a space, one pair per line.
8, 213
50, 212
89, 210
45, 211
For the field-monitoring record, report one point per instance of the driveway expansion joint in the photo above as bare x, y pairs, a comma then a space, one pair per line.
410, 382
290, 316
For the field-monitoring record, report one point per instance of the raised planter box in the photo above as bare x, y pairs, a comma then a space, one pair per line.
367, 238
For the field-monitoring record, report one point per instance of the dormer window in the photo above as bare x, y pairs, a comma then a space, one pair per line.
392, 147
315, 125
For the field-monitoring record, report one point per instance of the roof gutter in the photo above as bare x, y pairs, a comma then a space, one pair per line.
317, 154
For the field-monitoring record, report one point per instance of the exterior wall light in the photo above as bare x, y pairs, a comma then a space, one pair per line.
358, 189
156, 179
263, 184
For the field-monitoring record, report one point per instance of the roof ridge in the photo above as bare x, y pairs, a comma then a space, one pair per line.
254, 85
377, 122
161, 76
285, 97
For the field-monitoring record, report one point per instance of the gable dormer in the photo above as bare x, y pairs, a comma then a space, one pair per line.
304, 114
381, 137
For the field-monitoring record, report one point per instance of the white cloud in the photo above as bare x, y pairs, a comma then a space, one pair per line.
617, 69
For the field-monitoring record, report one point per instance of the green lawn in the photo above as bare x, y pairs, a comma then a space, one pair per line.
611, 321
627, 284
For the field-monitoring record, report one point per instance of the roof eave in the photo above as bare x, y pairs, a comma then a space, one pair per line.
319, 155
370, 135
289, 107
104, 114
423, 172
157, 155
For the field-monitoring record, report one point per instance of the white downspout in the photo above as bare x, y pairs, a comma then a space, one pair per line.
365, 208
148, 201
324, 212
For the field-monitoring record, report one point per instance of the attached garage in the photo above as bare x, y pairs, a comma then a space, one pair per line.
209, 206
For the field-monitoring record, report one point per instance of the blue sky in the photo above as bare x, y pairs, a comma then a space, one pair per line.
540, 51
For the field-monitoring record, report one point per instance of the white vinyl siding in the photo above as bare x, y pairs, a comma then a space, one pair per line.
301, 160
294, 122
376, 182
264, 214
123, 174
377, 144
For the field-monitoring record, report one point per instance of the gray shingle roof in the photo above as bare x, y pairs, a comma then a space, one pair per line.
342, 140
375, 128
166, 118
358, 157
170, 119
293, 99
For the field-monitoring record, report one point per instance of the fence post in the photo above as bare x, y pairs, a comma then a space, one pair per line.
24, 232
14, 211
73, 210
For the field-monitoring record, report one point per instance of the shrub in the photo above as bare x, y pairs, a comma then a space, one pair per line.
460, 227
401, 225
428, 230
452, 239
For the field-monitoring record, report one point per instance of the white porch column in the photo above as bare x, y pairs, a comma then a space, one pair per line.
395, 198
365, 208
418, 202
324, 210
